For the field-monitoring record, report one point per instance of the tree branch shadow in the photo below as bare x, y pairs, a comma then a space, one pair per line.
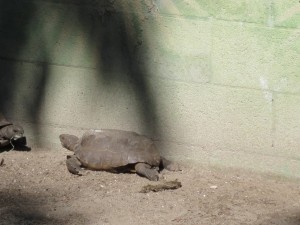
116, 44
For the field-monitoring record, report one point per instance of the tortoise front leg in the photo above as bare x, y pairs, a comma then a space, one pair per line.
145, 170
73, 165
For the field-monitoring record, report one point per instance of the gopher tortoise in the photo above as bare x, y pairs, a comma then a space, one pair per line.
10, 133
115, 151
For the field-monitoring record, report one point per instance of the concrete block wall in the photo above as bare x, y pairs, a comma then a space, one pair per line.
214, 82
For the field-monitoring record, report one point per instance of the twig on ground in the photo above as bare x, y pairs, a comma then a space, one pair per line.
168, 185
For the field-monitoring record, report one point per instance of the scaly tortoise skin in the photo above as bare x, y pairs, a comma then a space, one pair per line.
9, 132
115, 150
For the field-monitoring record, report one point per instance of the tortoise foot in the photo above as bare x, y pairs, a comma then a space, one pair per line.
145, 170
73, 165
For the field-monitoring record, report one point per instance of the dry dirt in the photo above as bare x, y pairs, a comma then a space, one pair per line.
36, 188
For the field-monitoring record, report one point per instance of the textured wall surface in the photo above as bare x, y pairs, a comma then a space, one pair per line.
215, 82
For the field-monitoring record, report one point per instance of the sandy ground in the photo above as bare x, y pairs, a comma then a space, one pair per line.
36, 188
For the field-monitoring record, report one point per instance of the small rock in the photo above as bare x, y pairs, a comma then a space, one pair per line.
2, 162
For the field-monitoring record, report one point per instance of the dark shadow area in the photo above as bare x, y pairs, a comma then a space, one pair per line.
15, 20
123, 48
277, 219
17, 208
119, 42
116, 46
19, 145
35, 102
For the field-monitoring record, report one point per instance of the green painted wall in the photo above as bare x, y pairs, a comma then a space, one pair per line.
214, 82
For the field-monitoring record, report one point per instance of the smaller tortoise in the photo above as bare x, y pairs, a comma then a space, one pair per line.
115, 150
10, 133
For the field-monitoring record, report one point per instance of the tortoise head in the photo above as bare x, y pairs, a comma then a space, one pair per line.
68, 141
13, 132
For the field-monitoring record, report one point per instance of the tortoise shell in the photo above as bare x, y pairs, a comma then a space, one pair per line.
107, 149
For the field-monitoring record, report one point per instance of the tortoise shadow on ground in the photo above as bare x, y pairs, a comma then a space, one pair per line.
16, 148
20, 208
19, 145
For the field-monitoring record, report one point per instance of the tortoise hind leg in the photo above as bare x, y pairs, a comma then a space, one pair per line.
145, 170
169, 165
73, 165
